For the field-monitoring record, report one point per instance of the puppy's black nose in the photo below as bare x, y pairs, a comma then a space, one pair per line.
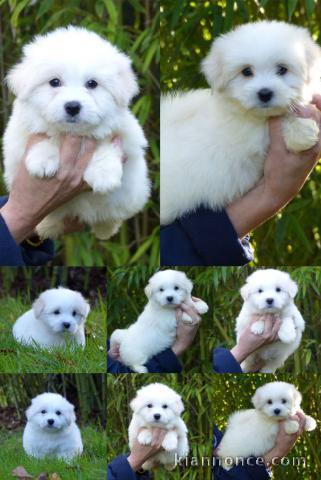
169, 299
66, 324
277, 411
72, 108
157, 416
265, 94
50, 421
269, 301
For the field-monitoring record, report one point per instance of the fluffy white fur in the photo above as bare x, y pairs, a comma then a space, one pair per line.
157, 405
271, 291
155, 328
58, 314
253, 432
214, 142
117, 172
51, 428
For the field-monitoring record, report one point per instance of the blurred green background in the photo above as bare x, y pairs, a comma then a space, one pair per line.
187, 29
210, 399
219, 288
133, 26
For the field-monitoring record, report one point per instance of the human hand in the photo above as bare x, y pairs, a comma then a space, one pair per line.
185, 332
114, 353
284, 175
284, 441
249, 342
24, 210
141, 453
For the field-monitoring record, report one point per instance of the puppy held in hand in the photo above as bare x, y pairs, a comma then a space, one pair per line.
73, 81
253, 432
51, 428
214, 141
271, 292
155, 328
158, 406
57, 316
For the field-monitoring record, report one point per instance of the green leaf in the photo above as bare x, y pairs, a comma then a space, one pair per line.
15, 15
309, 7
291, 7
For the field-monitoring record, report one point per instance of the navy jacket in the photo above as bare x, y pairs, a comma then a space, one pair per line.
241, 472
164, 362
204, 237
14, 255
224, 362
119, 469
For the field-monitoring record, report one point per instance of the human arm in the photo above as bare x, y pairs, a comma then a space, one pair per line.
24, 210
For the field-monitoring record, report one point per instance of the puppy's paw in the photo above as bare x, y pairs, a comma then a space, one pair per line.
145, 437
258, 327
42, 159
291, 426
186, 318
139, 369
310, 424
170, 441
300, 133
105, 230
287, 333
104, 172
201, 307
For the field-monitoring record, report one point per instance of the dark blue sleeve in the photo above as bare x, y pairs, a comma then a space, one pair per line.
14, 255
204, 237
119, 469
224, 362
251, 471
164, 362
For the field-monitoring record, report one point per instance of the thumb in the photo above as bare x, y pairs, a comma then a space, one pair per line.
275, 130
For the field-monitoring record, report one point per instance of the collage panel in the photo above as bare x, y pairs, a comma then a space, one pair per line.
53, 426
53, 320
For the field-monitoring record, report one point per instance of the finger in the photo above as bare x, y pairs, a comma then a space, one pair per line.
276, 327
195, 299
308, 111
87, 150
156, 433
275, 132
70, 146
316, 100
35, 138
268, 323
179, 314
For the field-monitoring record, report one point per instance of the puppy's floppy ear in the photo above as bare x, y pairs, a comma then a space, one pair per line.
188, 284
148, 290
245, 291
313, 56
257, 399
291, 287
31, 410
125, 86
178, 406
297, 398
213, 66
38, 306
69, 412
137, 403
84, 307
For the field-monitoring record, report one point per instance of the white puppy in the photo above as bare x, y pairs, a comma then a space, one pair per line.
73, 81
271, 292
158, 406
214, 142
253, 432
58, 314
51, 428
155, 328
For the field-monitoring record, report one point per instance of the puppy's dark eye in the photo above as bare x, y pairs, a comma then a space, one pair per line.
74, 313
176, 287
58, 412
91, 84
165, 406
260, 290
55, 82
278, 289
247, 72
270, 402
161, 289
149, 405
283, 400
43, 411
281, 70
57, 311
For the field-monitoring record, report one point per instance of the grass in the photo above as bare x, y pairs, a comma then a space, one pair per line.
16, 358
91, 465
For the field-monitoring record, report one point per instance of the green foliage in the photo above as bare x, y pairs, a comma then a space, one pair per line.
187, 29
133, 26
89, 466
219, 287
210, 399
